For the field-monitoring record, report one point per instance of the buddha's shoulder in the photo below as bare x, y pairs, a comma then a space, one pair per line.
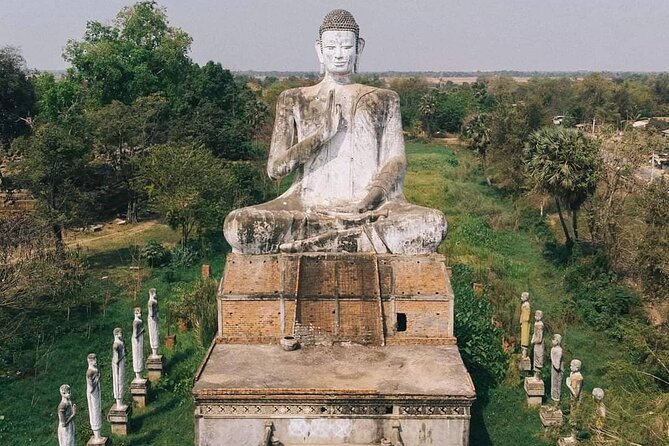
368, 93
299, 93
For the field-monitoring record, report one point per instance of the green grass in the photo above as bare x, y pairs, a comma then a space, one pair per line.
487, 231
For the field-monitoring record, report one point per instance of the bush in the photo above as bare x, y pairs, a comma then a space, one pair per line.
155, 253
598, 299
480, 342
182, 256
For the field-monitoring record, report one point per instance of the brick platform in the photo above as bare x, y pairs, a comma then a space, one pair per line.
377, 360
361, 298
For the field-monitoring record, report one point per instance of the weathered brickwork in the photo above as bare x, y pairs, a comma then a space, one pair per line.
351, 297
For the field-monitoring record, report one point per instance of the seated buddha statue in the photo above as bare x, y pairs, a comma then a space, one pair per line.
344, 144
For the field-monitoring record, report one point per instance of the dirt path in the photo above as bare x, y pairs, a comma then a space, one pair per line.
119, 233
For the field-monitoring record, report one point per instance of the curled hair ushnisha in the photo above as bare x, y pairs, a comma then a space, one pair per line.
339, 20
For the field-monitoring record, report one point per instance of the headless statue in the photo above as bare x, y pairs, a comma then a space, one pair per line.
344, 144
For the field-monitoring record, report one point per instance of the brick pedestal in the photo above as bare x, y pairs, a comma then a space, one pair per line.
139, 392
534, 389
154, 365
118, 418
377, 356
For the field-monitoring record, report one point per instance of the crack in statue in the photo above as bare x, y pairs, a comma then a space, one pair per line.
344, 143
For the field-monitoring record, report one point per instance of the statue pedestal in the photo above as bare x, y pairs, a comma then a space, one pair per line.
118, 418
534, 389
154, 365
102, 441
139, 391
551, 416
525, 364
377, 356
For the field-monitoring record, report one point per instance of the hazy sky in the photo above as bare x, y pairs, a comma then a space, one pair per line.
409, 35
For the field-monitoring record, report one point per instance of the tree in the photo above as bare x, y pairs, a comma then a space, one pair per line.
213, 110
190, 188
53, 167
140, 54
654, 249
508, 134
427, 109
122, 134
477, 131
565, 164
17, 96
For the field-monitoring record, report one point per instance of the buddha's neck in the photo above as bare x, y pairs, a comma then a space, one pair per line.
339, 79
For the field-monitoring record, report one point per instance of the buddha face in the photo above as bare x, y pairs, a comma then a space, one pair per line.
338, 51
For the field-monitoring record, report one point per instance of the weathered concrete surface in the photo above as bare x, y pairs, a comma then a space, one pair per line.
391, 371
333, 395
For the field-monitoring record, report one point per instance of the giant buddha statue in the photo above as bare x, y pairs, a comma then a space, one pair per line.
343, 142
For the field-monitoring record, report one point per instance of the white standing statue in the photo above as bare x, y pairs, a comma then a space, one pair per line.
138, 344
557, 368
118, 366
538, 343
154, 322
66, 414
94, 396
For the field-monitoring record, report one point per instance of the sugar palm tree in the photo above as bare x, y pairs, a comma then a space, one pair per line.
563, 163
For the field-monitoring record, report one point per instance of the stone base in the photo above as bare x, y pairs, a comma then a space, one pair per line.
118, 418
525, 364
337, 395
551, 416
102, 441
139, 390
154, 365
534, 389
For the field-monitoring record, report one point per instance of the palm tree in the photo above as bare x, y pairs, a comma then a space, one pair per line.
427, 108
477, 131
563, 163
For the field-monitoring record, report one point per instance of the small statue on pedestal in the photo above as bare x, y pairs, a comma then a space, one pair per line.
118, 414
138, 344
538, 343
525, 364
575, 386
552, 415
66, 414
154, 363
575, 381
94, 400
557, 368
154, 322
138, 387
118, 366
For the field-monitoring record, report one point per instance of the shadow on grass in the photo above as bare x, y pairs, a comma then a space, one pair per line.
110, 259
478, 432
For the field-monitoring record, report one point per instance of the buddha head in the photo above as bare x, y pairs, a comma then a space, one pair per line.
339, 44
92, 360
557, 340
65, 391
118, 333
138, 313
